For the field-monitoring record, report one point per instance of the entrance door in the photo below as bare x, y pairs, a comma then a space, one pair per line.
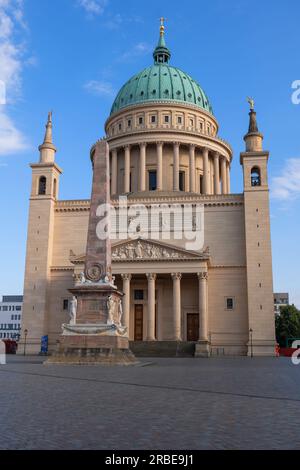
192, 326
138, 322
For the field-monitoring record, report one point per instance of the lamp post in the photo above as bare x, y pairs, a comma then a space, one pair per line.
25, 339
251, 342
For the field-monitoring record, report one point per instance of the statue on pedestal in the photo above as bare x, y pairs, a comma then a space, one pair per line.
73, 310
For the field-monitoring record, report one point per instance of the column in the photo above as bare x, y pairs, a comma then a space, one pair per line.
176, 167
126, 300
143, 166
177, 306
159, 180
127, 170
217, 186
223, 175
114, 171
206, 183
151, 307
228, 178
192, 169
203, 310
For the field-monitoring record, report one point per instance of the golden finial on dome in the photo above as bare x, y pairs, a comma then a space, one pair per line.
162, 25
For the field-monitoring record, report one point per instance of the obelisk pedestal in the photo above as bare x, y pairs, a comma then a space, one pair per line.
95, 334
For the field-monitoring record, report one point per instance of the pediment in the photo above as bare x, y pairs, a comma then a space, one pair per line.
141, 250
148, 250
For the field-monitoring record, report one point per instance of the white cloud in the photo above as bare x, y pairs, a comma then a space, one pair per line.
93, 7
139, 49
101, 88
115, 21
287, 186
11, 139
11, 65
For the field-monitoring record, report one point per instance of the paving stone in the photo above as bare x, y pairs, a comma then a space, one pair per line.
177, 403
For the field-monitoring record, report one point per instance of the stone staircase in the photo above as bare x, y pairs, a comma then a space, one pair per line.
162, 348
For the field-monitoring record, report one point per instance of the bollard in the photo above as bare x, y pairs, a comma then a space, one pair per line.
2, 353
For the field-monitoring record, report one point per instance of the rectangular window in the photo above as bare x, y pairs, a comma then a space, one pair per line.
167, 119
179, 120
201, 184
181, 181
65, 304
138, 294
129, 123
191, 122
152, 180
229, 303
120, 127
18, 309
140, 121
153, 119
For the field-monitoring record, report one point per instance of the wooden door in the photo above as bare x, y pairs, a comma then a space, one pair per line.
138, 322
192, 326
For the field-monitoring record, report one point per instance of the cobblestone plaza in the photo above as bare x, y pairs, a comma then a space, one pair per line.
220, 403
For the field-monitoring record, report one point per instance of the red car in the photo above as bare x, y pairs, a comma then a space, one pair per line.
11, 346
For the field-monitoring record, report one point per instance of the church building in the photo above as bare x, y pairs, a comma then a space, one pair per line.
164, 150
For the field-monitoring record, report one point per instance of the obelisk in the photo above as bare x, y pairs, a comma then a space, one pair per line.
95, 334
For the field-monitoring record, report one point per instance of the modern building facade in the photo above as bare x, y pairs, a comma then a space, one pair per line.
280, 300
11, 316
165, 151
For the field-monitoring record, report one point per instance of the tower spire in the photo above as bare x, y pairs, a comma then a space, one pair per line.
47, 149
253, 138
161, 54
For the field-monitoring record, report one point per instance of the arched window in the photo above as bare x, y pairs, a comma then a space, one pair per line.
42, 186
54, 187
255, 176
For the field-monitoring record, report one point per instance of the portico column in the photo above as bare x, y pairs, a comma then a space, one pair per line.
143, 166
176, 167
217, 186
127, 170
206, 183
114, 171
203, 310
151, 307
177, 306
192, 169
126, 300
159, 149
228, 178
224, 175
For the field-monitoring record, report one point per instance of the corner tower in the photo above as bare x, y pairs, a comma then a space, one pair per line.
44, 193
258, 242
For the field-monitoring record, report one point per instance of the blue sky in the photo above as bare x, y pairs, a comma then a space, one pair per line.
72, 56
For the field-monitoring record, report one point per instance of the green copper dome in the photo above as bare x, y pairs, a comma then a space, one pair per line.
161, 82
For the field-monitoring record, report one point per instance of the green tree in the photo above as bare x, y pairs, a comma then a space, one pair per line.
287, 324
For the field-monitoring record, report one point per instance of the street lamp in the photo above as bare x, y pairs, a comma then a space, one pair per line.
251, 342
25, 335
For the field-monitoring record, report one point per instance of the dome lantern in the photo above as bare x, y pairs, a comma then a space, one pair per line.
161, 53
